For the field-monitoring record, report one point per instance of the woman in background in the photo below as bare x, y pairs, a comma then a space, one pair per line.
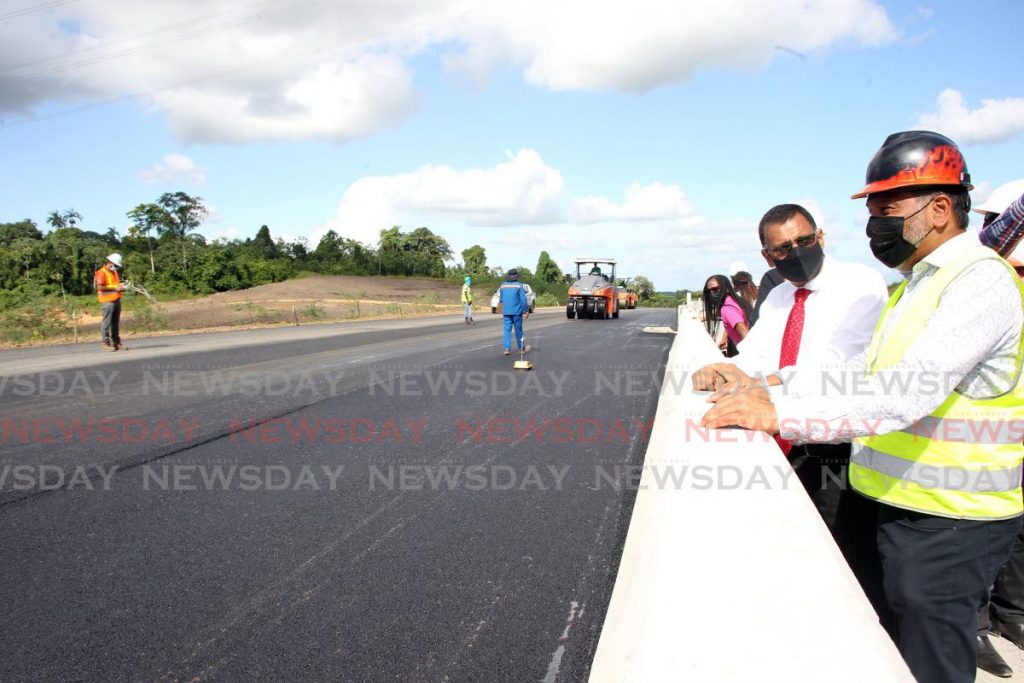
743, 284
724, 309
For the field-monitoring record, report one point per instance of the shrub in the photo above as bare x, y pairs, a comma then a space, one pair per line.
547, 299
148, 317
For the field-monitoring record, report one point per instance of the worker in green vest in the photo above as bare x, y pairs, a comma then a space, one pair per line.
934, 405
467, 301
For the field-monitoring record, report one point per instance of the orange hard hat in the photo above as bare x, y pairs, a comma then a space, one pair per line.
915, 158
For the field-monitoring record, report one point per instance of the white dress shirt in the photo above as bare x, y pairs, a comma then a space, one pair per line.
840, 314
969, 344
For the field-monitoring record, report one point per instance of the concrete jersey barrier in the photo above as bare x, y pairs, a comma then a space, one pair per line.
728, 572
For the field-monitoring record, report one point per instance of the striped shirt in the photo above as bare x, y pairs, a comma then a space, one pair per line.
969, 345
1004, 233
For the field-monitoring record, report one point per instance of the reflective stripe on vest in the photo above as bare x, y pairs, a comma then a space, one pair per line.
107, 278
963, 460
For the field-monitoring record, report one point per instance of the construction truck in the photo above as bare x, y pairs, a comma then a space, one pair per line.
628, 296
595, 293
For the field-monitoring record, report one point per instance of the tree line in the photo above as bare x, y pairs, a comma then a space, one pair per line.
163, 251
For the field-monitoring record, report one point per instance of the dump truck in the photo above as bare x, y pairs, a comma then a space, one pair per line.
595, 293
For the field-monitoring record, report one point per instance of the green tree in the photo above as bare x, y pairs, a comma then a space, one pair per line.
56, 220
22, 229
186, 213
63, 219
425, 252
147, 219
474, 260
548, 270
389, 250
644, 287
265, 243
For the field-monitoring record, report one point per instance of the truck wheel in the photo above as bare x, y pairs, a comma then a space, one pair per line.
570, 312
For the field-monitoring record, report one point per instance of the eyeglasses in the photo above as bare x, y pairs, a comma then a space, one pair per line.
714, 290
781, 251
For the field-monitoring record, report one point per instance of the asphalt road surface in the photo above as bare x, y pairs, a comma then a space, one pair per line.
368, 501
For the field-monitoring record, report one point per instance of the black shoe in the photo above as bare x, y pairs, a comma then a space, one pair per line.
1012, 631
991, 661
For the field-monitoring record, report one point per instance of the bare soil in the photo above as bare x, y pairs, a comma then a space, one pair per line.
313, 299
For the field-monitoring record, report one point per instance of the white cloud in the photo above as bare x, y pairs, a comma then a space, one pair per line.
175, 168
523, 190
636, 46
227, 71
524, 207
334, 101
994, 121
643, 203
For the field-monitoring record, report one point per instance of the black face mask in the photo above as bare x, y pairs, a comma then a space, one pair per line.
802, 265
716, 297
886, 238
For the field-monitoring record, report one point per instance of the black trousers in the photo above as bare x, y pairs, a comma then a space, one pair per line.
936, 572
1007, 601
822, 469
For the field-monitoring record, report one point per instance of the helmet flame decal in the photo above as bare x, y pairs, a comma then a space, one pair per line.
915, 159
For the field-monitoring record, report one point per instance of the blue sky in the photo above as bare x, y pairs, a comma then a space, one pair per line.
655, 131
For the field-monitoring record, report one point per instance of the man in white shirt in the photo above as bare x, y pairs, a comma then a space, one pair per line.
839, 304
935, 405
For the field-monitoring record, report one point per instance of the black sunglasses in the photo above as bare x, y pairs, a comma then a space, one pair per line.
781, 251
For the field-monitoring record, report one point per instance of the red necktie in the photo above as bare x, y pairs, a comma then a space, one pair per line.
791, 345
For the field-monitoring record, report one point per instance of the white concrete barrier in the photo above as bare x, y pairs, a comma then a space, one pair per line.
728, 572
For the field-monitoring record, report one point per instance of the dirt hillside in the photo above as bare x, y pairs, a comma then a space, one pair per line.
318, 298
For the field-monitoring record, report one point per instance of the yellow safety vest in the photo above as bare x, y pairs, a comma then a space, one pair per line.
962, 461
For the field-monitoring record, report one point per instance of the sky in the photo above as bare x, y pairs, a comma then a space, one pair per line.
655, 132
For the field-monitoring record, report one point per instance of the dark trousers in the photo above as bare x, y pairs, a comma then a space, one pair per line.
1007, 600
110, 324
822, 469
936, 572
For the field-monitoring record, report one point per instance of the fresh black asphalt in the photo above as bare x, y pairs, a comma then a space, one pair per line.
388, 501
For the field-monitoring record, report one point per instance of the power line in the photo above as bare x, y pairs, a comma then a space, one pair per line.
36, 8
311, 49
115, 54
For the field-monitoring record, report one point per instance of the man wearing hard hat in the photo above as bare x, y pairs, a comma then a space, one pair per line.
941, 453
109, 288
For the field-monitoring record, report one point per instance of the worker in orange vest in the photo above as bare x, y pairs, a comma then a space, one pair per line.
109, 288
